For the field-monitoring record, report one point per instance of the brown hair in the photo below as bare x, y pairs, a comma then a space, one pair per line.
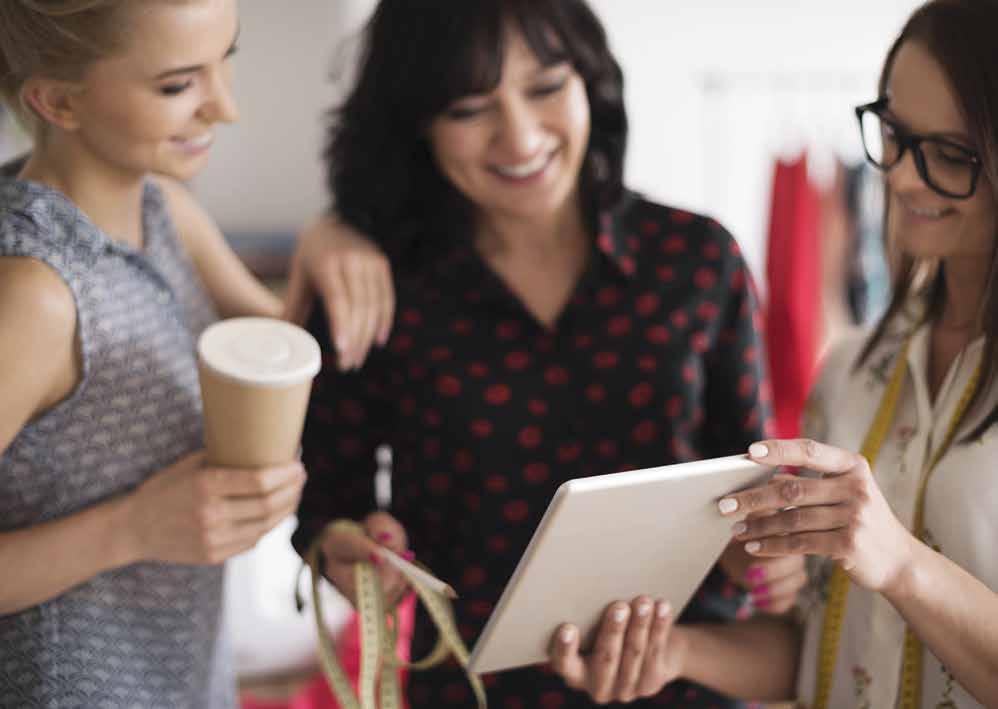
960, 36
53, 38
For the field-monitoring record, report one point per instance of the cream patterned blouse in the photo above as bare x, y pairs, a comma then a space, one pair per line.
961, 514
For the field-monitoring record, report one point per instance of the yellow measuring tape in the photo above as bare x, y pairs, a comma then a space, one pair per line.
838, 587
378, 637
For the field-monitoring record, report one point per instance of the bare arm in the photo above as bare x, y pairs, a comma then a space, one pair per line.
955, 615
638, 650
233, 289
37, 335
47, 560
185, 514
755, 659
845, 516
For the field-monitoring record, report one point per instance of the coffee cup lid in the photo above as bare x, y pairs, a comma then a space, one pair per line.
260, 351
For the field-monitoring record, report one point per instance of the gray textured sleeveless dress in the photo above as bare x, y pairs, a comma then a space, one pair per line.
148, 635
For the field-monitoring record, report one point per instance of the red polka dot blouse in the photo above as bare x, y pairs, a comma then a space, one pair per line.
654, 360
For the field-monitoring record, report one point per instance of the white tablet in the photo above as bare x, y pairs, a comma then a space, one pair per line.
655, 532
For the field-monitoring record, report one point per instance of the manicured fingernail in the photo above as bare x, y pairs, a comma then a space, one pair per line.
727, 505
384, 537
739, 528
755, 573
753, 547
643, 610
664, 609
620, 615
760, 591
374, 559
567, 635
761, 602
758, 450
409, 555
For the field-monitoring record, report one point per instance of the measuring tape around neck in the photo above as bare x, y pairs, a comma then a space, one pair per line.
838, 586
378, 637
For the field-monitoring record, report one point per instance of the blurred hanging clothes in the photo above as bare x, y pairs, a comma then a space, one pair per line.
869, 279
794, 285
837, 236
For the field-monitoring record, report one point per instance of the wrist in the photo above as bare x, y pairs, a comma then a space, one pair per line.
683, 637
903, 583
122, 539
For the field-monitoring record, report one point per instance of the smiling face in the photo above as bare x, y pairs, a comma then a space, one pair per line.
921, 222
151, 107
516, 152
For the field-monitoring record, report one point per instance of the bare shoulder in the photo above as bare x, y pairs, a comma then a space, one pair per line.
31, 293
38, 355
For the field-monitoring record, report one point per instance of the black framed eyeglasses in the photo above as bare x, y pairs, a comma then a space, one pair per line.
947, 167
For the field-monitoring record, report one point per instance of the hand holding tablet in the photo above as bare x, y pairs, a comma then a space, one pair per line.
653, 656
653, 533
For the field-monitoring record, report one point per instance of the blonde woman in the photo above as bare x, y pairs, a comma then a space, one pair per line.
111, 528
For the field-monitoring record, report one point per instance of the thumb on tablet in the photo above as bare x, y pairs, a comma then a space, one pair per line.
565, 658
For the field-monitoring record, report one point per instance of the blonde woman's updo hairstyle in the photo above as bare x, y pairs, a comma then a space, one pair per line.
58, 39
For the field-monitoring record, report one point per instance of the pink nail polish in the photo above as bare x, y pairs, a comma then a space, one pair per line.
374, 559
761, 602
409, 555
755, 573
384, 537
761, 591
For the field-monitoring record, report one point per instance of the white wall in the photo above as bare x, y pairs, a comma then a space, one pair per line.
265, 175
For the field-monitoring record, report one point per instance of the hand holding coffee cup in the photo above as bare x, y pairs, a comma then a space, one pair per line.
256, 374
193, 513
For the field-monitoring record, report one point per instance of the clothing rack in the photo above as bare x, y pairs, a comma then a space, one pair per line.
825, 81
805, 104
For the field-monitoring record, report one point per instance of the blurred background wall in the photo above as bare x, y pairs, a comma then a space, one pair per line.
715, 90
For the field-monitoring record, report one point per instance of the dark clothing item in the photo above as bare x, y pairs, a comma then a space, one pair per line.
654, 360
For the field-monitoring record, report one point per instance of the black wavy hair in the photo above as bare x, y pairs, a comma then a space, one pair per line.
418, 57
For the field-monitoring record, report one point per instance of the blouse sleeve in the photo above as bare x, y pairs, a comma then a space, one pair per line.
345, 423
738, 410
736, 403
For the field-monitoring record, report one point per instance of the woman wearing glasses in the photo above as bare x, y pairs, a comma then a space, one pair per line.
908, 612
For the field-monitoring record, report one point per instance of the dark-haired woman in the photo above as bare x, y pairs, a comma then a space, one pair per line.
551, 325
908, 611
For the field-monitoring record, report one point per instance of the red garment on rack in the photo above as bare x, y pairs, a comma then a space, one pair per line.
794, 282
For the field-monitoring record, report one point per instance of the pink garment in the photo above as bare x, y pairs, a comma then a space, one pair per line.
316, 694
794, 283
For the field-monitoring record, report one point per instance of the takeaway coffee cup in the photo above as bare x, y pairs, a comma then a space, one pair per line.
256, 374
